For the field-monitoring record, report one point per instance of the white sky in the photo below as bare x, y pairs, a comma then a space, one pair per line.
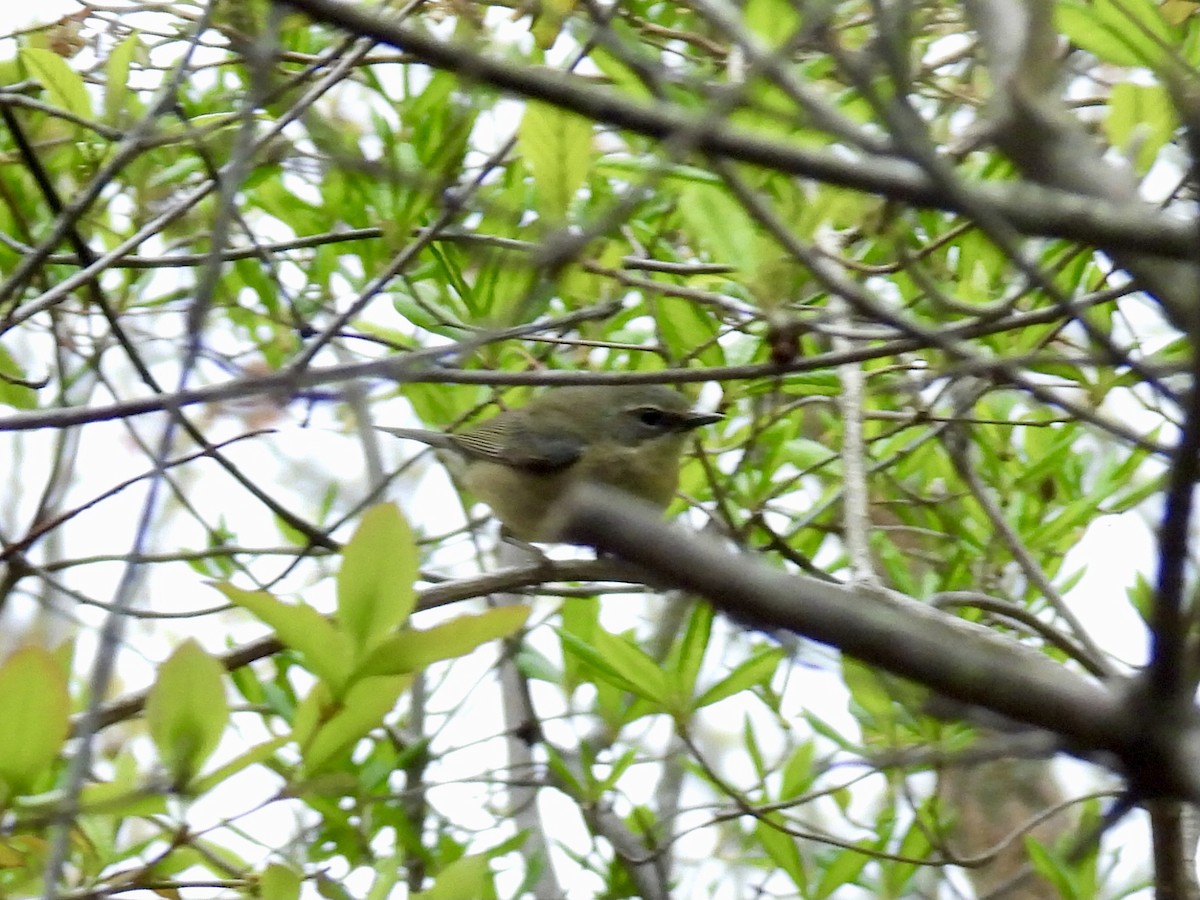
16, 16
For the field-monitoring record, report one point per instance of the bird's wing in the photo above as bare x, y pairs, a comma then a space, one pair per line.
512, 444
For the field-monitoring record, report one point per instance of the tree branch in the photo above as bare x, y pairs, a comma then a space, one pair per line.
962, 660
1030, 208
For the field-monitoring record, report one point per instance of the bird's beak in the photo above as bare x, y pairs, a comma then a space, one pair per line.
697, 419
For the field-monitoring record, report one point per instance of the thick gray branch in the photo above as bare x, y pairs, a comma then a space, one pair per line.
966, 662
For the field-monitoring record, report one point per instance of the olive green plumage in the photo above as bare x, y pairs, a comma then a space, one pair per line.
520, 462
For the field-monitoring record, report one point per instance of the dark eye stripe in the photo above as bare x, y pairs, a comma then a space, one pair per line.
653, 417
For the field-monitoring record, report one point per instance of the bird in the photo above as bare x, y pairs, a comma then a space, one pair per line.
522, 461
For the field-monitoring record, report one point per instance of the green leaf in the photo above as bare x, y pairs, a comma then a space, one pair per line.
1140, 117
622, 663
307, 717
279, 883
125, 794
375, 583
566, 773
756, 670
389, 869
620, 77
688, 330
1144, 21
327, 651
536, 666
449, 276
254, 755
1050, 867
616, 769
869, 691
798, 772
366, 703
1123, 32
772, 21
1128, 499
752, 748
916, 844
557, 146
413, 649
1085, 29
440, 125
34, 710
1070, 522
782, 848
468, 876
13, 392
331, 889
686, 661
580, 618
844, 869
720, 225
1176, 12
438, 313
187, 711
117, 96
62, 83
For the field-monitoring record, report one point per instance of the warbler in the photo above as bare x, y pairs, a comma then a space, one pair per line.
522, 461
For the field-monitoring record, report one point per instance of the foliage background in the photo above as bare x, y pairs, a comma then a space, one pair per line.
934, 262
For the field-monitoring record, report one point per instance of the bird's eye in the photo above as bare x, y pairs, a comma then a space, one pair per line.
652, 417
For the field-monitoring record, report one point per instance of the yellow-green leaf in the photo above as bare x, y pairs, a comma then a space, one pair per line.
1127, 33
467, 876
308, 713
755, 670
187, 711
716, 221
412, 650
13, 391
279, 883
620, 77
257, 754
34, 710
124, 794
1141, 117
620, 662
375, 584
326, 650
365, 705
120, 801
772, 21
62, 83
117, 95
688, 654
782, 848
1176, 12
557, 146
